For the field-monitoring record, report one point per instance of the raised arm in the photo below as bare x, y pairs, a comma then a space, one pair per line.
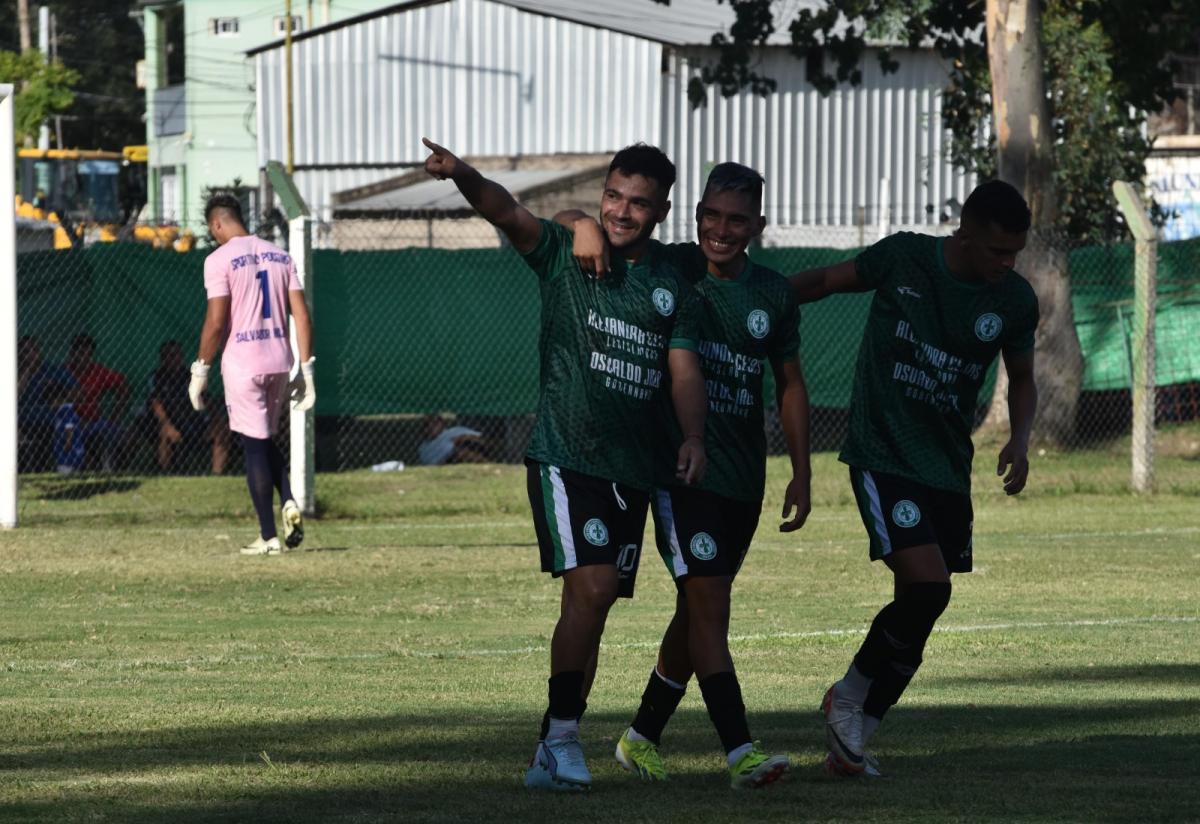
814, 284
493, 202
1022, 405
791, 394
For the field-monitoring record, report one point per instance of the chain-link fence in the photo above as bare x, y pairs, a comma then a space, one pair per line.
426, 335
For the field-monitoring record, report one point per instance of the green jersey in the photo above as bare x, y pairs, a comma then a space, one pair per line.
929, 340
603, 358
745, 323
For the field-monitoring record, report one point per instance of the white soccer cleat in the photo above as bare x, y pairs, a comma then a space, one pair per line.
558, 764
260, 547
843, 731
293, 524
834, 769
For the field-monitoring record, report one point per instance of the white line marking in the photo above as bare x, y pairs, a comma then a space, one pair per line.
75, 663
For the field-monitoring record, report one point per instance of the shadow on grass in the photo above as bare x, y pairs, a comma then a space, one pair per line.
1101, 762
66, 488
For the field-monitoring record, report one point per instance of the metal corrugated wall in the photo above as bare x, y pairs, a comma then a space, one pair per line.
823, 157
483, 78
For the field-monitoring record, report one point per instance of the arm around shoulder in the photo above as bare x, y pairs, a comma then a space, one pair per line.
813, 284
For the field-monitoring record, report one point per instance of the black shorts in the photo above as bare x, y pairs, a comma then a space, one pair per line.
899, 513
702, 533
581, 520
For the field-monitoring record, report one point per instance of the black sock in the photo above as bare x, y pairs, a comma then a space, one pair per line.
723, 697
258, 478
659, 701
279, 475
566, 699
914, 615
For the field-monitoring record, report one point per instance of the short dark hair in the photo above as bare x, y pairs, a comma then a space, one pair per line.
648, 161
226, 202
734, 177
998, 202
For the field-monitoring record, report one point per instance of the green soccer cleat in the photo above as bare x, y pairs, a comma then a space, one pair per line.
641, 758
756, 769
293, 525
260, 547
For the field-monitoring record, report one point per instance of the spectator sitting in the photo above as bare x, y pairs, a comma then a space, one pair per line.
455, 444
39, 384
69, 447
95, 381
178, 423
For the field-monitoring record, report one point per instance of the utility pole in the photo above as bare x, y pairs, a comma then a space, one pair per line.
287, 49
54, 59
23, 25
44, 48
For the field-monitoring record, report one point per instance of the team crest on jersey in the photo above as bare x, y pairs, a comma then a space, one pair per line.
758, 323
906, 514
596, 532
704, 547
664, 302
988, 326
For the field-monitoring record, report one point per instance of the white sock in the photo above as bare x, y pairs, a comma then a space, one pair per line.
669, 682
634, 735
737, 753
853, 686
562, 726
870, 724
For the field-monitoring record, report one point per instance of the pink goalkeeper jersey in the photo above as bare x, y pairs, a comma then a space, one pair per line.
257, 276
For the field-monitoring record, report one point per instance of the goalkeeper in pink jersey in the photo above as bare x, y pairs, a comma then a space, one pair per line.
251, 285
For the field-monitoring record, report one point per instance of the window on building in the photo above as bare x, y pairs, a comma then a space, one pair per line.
170, 58
281, 25
223, 26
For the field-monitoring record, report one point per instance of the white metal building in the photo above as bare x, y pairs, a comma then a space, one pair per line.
522, 77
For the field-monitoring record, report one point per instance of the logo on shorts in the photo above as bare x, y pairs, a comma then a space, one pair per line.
906, 514
596, 532
664, 302
704, 547
988, 326
758, 323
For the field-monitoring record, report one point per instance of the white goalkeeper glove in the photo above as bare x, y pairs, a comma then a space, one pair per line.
303, 387
197, 384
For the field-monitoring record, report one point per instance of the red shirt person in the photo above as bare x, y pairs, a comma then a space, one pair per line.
95, 381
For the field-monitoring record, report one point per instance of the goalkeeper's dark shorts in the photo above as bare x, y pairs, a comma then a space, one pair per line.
582, 520
900, 513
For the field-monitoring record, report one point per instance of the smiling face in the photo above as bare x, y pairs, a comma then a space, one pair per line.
726, 222
632, 205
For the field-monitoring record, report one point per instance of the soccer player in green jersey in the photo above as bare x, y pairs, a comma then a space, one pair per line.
943, 309
607, 348
704, 532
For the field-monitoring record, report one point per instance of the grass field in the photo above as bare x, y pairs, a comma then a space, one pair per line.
395, 669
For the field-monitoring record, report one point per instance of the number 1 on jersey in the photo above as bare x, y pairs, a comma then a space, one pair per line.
266, 301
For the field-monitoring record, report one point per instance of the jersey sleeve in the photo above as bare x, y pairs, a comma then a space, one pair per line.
785, 343
547, 257
875, 263
1021, 336
216, 277
293, 279
685, 334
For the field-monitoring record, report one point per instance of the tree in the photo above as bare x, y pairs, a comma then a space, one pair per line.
44, 89
1072, 99
102, 43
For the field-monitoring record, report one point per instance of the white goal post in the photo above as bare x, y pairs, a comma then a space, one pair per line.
8, 311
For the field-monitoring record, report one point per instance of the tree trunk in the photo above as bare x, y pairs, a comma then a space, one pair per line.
1022, 121
23, 25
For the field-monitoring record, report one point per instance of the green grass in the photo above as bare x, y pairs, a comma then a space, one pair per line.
396, 669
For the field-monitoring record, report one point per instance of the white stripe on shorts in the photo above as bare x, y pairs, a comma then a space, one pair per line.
881, 529
562, 517
667, 516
